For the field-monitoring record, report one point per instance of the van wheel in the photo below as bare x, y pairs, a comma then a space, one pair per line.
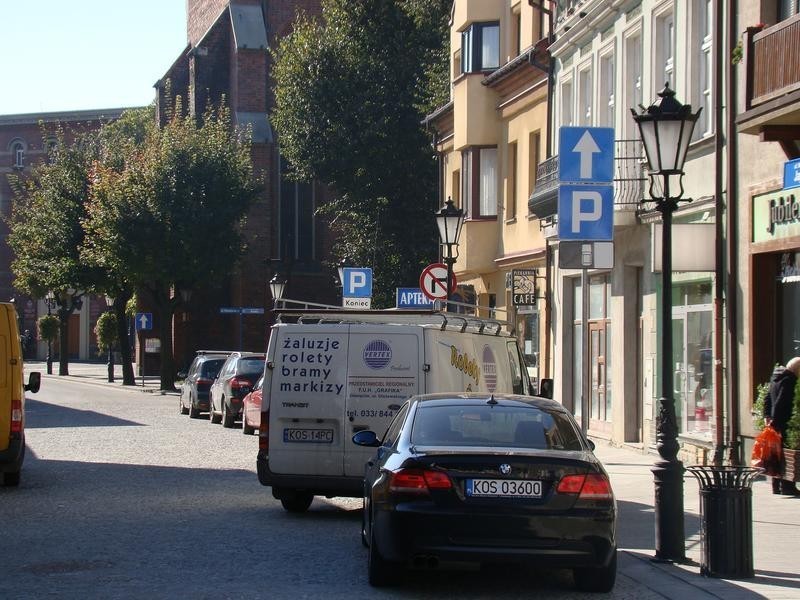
599, 579
183, 409
297, 502
11, 479
381, 571
227, 417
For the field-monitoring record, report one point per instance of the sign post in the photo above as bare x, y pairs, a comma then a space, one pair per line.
240, 310
357, 287
433, 281
585, 215
143, 322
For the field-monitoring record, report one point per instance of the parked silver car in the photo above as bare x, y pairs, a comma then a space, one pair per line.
198, 379
235, 380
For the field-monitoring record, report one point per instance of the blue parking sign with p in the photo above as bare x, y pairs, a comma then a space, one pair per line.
586, 212
357, 282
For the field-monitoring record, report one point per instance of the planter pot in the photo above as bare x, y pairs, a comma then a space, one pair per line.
791, 467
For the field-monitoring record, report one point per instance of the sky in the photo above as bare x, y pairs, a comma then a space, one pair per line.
63, 55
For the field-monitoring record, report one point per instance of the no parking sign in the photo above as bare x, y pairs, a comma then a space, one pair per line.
433, 281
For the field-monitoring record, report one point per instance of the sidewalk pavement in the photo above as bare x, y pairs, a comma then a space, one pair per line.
776, 519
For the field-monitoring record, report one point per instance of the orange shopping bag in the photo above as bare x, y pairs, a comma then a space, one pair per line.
768, 452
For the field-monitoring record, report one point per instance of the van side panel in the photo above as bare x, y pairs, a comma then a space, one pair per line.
307, 389
7, 392
384, 370
468, 362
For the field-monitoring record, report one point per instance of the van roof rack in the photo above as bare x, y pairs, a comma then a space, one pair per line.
287, 310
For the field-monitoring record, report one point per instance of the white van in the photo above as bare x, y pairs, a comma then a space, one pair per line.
332, 374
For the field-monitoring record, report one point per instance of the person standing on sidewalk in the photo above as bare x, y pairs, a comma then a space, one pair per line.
778, 410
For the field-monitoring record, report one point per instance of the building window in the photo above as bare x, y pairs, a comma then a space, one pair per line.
701, 65
566, 104
296, 217
787, 8
533, 160
18, 155
585, 91
479, 182
511, 182
516, 33
457, 64
605, 110
665, 52
480, 47
633, 81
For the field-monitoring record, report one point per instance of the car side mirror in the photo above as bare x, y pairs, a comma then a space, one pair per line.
181, 374
591, 444
34, 382
366, 438
546, 388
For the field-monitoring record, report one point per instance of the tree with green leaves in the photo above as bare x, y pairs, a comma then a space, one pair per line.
46, 232
171, 217
351, 91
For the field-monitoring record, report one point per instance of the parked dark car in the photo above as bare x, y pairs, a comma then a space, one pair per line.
198, 379
503, 479
235, 380
251, 409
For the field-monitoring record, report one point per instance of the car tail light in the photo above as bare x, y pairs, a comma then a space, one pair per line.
263, 431
237, 383
419, 481
593, 486
16, 416
203, 381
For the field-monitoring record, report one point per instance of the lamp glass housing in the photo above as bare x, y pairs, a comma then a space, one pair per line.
449, 220
276, 286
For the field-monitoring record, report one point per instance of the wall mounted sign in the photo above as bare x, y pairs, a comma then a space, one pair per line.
776, 216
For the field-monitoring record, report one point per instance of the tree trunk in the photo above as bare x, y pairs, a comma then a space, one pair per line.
166, 307
120, 301
63, 342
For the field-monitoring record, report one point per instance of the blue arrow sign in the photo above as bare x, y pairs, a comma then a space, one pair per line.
585, 212
357, 282
144, 321
586, 154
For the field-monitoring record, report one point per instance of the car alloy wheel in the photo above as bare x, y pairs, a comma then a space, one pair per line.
227, 418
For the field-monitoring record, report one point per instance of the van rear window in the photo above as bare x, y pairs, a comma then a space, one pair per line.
494, 426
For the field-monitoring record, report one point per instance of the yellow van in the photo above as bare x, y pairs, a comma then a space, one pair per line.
12, 397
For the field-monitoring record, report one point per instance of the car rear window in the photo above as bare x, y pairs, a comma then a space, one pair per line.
494, 426
210, 368
252, 366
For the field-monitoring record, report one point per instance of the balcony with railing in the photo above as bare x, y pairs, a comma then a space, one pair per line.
772, 81
629, 182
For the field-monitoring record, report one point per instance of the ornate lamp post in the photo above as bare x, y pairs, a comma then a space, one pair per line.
110, 305
449, 220
666, 129
50, 301
277, 286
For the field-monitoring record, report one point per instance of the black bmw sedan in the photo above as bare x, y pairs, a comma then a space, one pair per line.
477, 478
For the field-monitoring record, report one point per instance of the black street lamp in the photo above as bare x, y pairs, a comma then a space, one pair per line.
50, 301
449, 220
110, 305
277, 285
666, 129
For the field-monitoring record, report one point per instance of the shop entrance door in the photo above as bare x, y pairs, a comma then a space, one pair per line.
600, 411
692, 376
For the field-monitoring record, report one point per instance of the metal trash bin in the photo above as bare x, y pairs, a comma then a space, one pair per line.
726, 511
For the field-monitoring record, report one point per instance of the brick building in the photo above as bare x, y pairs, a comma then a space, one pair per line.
26, 139
227, 59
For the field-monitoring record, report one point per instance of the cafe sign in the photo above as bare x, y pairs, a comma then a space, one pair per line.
523, 282
776, 215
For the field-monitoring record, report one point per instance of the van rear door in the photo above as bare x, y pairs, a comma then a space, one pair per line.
384, 370
307, 387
